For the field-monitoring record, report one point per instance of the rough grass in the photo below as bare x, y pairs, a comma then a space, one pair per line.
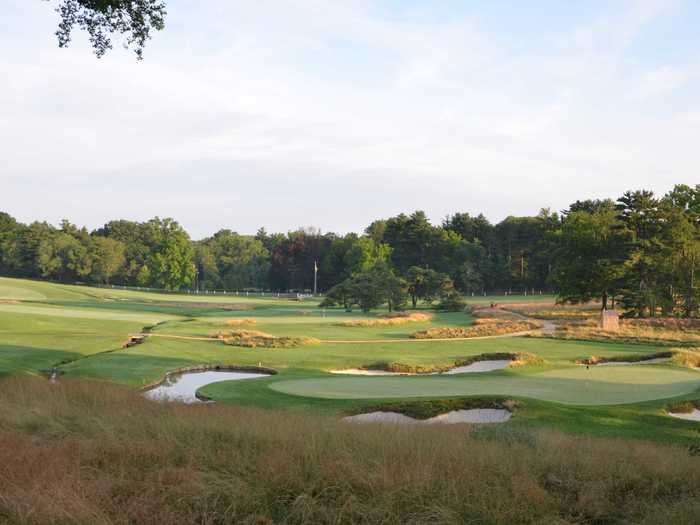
425, 409
516, 359
481, 328
689, 357
257, 339
245, 321
644, 331
683, 407
395, 318
633, 358
99, 454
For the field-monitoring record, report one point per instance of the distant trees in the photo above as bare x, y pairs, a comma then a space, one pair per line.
642, 249
369, 289
640, 253
588, 257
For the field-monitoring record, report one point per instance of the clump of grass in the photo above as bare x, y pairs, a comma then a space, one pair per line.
244, 321
398, 318
257, 339
77, 452
425, 409
630, 331
483, 328
516, 359
634, 358
683, 407
689, 357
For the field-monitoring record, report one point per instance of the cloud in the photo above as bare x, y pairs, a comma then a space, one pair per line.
247, 114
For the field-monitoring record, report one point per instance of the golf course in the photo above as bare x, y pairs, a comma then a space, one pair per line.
81, 333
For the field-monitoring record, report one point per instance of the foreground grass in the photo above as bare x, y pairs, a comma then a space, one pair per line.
94, 453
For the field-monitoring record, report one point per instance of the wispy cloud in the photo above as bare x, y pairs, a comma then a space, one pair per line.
333, 113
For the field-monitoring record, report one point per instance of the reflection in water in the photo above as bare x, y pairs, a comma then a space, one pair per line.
183, 387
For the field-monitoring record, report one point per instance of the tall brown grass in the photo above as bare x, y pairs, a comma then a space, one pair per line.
646, 331
257, 339
390, 320
689, 357
244, 321
480, 328
98, 454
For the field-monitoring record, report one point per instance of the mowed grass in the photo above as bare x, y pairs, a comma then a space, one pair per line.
602, 386
29, 343
82, 330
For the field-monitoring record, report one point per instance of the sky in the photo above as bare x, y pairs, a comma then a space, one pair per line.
290, 113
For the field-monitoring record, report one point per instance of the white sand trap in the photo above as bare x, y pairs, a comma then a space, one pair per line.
381, 417
363, 372
476, 415
481, 366
689, 416
652, 361
478, 366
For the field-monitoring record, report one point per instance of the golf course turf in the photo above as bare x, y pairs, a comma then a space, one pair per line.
82, 331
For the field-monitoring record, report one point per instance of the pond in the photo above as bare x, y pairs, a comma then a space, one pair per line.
183, 387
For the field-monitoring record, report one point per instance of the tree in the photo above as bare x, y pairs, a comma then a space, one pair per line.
450, 299
63, 257
171, 263
233, 261
364, 254
101, 18
424, 284
587, 257
107, 258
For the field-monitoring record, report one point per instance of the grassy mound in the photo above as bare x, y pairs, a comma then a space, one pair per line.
689, 357
256, 339
481, 328
634, 358
245, 321
95, 453
516, 359
425, 409
394, 318
640, 331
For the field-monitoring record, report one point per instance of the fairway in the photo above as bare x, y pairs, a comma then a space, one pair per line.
573, 386
82, 331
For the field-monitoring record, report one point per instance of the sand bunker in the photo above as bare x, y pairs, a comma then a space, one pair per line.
481, 366
363, 372
477, 366
476, 415
688, 416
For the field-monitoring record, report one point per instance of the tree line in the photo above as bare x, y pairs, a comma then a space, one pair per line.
639, 253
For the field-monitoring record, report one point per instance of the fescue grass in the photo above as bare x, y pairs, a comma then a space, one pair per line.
99, 454
596, 360
245, 321
689, 357
257, 339
398, 318
641, 331
516, 359
481, 328
425, 409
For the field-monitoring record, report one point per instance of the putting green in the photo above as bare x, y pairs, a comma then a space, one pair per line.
572, 386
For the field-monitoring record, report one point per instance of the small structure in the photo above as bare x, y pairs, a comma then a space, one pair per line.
609, 321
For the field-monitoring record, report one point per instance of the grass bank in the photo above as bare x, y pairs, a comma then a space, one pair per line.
95, 453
